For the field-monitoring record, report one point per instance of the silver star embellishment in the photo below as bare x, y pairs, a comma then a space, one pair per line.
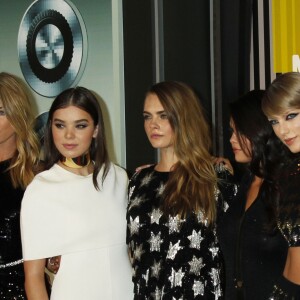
214, 251
131, 191
201, 218
196, 264
135, 202
176, 278
173, 249
146, 276
155, 242
147, 179
225, 206
155, 269
160, 189
174, 224
155, 216
157, 294
198, 288
134, 225
195, 239
214, 274
138, 251
216, 192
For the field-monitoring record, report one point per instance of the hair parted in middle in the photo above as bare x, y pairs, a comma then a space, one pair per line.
18, 110
192, 182
84, 99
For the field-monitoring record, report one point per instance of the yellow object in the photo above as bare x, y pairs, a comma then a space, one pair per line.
285, 34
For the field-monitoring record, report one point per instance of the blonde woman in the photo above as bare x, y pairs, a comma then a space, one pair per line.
19, 153
281, 105
174, 205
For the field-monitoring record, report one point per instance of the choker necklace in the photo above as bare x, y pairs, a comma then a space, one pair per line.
76, 162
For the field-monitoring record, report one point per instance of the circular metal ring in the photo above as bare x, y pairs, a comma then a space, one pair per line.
52, 45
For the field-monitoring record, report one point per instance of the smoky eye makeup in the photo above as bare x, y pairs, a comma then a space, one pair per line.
291, 116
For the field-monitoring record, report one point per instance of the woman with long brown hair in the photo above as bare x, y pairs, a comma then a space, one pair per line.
174, 205
76, 208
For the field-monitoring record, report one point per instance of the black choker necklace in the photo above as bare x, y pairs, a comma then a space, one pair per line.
76, 162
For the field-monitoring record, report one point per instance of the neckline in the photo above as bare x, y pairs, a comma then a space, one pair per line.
71, 173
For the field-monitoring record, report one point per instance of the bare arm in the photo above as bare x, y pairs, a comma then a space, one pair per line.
34, 279
292, 266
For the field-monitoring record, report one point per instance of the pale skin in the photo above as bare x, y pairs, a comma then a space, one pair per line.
160, 135
7, 136
242, 154
159, 132
287, 128
73, 130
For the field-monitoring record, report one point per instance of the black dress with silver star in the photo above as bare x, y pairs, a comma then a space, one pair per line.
172, 258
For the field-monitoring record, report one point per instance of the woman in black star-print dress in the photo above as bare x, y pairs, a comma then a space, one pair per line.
172, 240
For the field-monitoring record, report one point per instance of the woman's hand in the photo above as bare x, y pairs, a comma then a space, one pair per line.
53, 264
142, 167
222, 162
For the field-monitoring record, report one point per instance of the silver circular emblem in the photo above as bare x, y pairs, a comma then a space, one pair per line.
52, 46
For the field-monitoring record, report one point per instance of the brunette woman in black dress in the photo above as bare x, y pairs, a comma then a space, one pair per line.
253, 248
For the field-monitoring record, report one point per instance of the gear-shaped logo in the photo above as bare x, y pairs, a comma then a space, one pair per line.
52, 45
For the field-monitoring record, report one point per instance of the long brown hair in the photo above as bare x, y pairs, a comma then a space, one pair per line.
84, 99
192, 182
19, 113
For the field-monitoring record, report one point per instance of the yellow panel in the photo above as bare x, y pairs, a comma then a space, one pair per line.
285, 33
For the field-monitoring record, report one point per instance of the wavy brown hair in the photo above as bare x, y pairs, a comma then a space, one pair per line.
19, 113
190, 187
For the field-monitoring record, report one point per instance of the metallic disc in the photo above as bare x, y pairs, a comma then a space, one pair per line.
52, 44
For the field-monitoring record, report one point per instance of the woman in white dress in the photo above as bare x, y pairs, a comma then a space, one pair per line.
77, 208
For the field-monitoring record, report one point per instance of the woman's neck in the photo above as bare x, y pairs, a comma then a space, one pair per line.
167, 160
84, 171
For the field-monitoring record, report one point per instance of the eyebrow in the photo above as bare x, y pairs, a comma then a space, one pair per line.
77, 121
158, 112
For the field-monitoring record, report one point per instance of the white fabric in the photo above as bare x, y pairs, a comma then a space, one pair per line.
63, 214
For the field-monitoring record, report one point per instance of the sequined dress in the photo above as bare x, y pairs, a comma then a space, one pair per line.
289, 226
11, 267
172, 258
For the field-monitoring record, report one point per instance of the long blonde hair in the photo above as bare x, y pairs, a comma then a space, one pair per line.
191, 185
19, 113
283, 94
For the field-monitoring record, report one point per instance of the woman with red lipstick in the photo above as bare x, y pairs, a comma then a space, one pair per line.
76, 208
174, 205
253, 248
281, 105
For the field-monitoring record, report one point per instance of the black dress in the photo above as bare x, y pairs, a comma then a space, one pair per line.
254, 258
289, 226
11, 266
173, 258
